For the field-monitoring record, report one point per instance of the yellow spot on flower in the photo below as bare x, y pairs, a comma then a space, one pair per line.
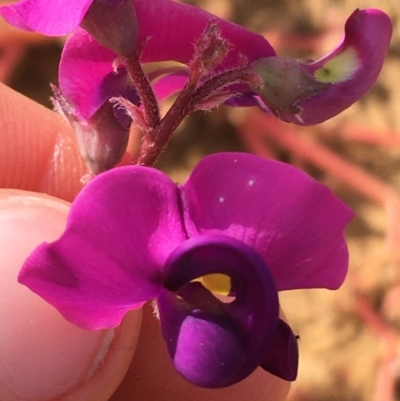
340, 68
216, 283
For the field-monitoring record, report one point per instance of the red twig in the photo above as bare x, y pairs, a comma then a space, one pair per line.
359, 133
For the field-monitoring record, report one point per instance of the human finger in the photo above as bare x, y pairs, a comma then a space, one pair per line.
39, 151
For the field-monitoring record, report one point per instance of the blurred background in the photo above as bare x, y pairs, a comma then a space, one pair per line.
349, 339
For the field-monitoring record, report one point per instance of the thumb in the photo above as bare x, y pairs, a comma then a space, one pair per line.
42, 356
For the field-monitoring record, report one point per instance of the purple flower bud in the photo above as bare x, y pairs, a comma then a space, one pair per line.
102, 139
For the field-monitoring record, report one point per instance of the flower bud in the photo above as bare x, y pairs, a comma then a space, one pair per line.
102, 139
307, 93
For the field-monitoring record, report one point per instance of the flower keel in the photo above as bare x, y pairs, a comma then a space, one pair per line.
212, 343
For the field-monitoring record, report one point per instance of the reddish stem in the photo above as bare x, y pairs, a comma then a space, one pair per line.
144, 90
203, 86
155, 143
191, 96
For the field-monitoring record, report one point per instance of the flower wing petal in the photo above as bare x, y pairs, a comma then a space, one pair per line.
54, 18
295, 223
120, 230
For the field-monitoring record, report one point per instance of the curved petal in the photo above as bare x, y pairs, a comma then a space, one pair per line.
295, 223
120, 231
283, 357
54, 18
86, 75
215, 344
352, 68
322, 89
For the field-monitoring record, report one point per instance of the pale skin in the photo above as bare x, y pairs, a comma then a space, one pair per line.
43, 357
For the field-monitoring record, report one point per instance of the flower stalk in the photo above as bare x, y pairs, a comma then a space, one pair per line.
144, 90
204, 89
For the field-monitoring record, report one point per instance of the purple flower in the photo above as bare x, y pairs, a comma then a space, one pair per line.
90, 74
169, 30
304, 93
258, 226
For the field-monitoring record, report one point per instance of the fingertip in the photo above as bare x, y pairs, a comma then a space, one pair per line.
39, 151
42, 356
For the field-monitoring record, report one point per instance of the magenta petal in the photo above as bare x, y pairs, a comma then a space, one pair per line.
350, 70
86, 76
172, 38
54, 18
283, 355
295, 223
120, 231
215, 344
169, 85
